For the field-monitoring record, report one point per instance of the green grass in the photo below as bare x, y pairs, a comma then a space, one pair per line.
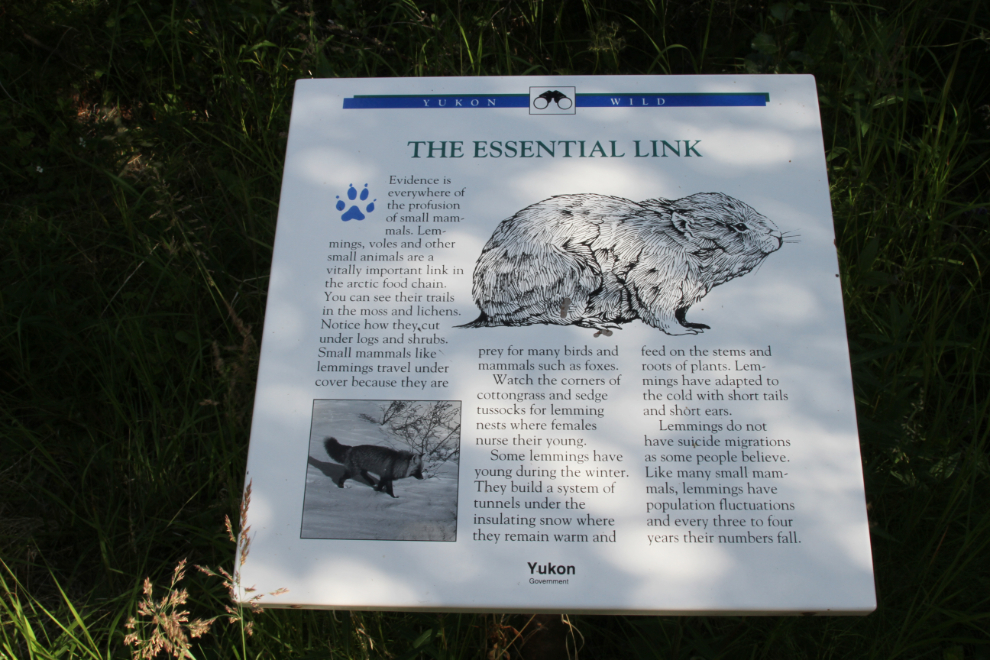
141, 148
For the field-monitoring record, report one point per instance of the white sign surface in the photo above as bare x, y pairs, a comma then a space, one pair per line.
557, 344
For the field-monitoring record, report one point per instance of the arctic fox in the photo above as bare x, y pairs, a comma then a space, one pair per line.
387, 463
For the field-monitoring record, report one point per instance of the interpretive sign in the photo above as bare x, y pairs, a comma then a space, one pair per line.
557, 344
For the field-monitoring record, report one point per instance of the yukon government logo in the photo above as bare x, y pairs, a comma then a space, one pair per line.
552, 100
537, 569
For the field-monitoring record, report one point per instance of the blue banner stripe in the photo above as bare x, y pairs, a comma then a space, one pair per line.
700, 100
671, 100
494, 101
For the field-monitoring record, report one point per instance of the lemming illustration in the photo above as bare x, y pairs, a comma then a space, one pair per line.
597, 262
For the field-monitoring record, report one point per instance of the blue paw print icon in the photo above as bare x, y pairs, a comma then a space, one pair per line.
354, 213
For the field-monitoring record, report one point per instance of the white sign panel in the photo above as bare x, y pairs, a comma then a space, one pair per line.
557, 344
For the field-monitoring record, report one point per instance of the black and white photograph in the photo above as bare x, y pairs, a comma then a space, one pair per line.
382, 470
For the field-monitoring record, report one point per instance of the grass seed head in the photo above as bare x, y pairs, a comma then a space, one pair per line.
162, 625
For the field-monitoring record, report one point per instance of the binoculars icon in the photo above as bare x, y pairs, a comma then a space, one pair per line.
546, 98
